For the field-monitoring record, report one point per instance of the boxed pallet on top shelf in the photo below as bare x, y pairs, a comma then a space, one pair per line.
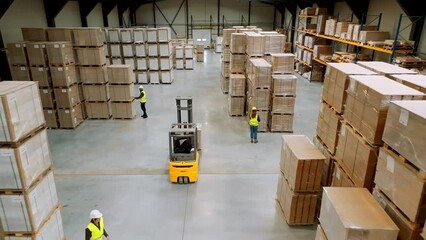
282, 63
238, 43
59, 53
88, 36
348, 213
274, 43
341, 27
93, 74
330, 27
34, 34
91, 56
21, 109
255, 44
59, 34
321, 49
120, 74
368, 101
227, 36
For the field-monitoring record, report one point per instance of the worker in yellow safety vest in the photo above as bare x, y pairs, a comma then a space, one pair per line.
142, 97
254, 120
95, 229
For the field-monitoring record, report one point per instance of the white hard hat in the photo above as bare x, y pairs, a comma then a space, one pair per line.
95, 214
140, 87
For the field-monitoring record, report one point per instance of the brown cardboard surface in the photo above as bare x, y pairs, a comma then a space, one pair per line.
120, 74
236, 105
34, 34
321, 49
122, 92
93, 74
327, 170
283, 105
404, 130
328, 126
47, 98
407, 229
301, 163
281, 123
88, 36
36, 52
274, 43
70, 118
400, 183
59, 34
67, 97
91, 56
123, 110
255, 44
260, 75
365, 36
237, 85
20, 73
96, 92
21, 110
41, 75
59, 53
51, 118
282, 63
237, 63
17, 54
353, 213
284, 85
259, 98
63, 76
238, 43
98, 110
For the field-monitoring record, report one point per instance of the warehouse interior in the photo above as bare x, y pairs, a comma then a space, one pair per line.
120, 166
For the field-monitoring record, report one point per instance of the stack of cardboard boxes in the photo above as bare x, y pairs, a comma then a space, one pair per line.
121, 90
88, 43
352, 213
29, 202
165, 56
141, 63
185, 57
283, 92
226, 59
299, 183
200, 52
237, 95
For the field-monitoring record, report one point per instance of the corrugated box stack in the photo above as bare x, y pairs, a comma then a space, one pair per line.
259, 84
385, 69
121, 90
18, 61
365, 114
417, 82
165, 56
237, 95
141, 63
28, 198
115, 55
90, 53
336, 81
283, 92
200, 52
226, 58
185, 57
400, 180
352, 213
299, 183
177, 43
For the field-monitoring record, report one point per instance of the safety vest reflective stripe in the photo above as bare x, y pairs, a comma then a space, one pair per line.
253, 121
97, 233
143, 99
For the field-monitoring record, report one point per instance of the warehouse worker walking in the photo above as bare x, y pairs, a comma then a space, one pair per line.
254, 120
142, 97
95, 229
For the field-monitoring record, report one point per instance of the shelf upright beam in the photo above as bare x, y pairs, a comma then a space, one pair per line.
398, 27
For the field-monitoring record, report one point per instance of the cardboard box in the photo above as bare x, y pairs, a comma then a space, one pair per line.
21, 166
139, 35
70, 118
264, 123
189, 63
26, 212
140, 50
330, 27
385, 69
320, 235
402, 184
417, 82
167, 77
165, 49
353, 213
17, 54
98, 110
237, 85
20, 73
340, 178
36, 52
321, 23
122, 93
67, 97
281, 123
164, 34
189, 51
123, 110
41, 75
63, 76
115, 50
403, 132
357, 29
126, 35
274, 43
298, 208
336, 81
261, 73
47, 98
88, 36
93, 74
120, 74
59, 53
153, 50
141, 64
224, 67
179, 51
20, 109
51, 118
365, 36
259, 98
237, 63
130, 62
284, 85
227, 33
200, 57
407, 230
154, 63
282, 63
91, 56
356, 157
166, 63
224, 83
34, 34
283, 105
94, 93
321, 49
328, 127
236, 105
373, 94
152, 35
341, 27
142, 77
226, 55
128, 50
238, 43
255, 44
59, 34
301, 162
154, 77
328, 168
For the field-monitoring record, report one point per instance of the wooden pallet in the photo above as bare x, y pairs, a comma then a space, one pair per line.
93, 47
357, 132
36, 181
410, 166
116, 118
101, 118
24, 138
62, 65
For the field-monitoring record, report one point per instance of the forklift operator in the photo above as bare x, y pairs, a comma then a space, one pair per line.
183, 145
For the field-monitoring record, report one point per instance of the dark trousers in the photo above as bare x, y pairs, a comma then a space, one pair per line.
143, 109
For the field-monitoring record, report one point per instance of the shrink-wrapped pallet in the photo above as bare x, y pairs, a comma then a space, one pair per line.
238, 43
255, 45
282, 63
284, 85
237, 85
260, 73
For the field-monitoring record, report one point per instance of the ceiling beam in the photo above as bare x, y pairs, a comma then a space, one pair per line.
86, 6
52, 8
4, 5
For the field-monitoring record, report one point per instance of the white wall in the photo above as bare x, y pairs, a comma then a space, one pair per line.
22, 13
69, 16
95, 19
113, 18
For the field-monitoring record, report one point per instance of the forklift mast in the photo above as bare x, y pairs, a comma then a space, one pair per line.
184, 104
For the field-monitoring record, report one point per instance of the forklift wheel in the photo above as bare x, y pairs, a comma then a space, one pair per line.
180, 180
186, 180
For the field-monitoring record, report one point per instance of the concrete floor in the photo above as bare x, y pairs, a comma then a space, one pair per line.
120, 168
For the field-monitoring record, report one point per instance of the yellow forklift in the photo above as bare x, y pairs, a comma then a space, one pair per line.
184, 145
